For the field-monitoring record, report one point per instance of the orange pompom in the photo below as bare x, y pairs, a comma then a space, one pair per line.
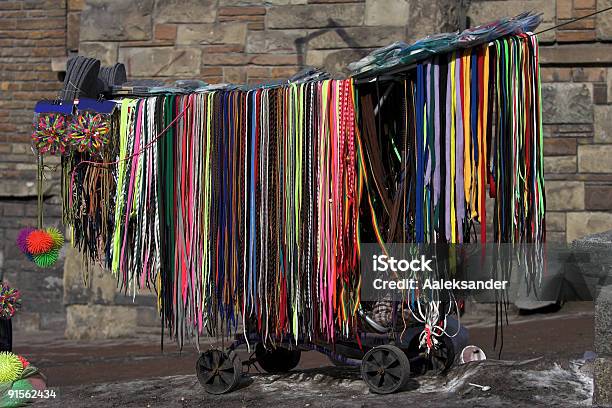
39, 242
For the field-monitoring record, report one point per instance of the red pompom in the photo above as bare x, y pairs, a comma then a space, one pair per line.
39, 242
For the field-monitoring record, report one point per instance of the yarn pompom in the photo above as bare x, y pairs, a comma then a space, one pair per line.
58, 238
10, 301
10, 367
89, 132
24, 362
50, 134
22, 239
47, 259
39, 242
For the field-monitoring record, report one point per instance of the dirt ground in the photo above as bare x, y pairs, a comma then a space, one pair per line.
542, 365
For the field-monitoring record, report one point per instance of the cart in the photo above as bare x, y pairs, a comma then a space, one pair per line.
387, 357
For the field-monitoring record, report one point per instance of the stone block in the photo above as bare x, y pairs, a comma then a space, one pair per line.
18, 188
147, 317
234, 75
116, 20
602, 124
274, 60
595, 158
603, 321
225, 59
75, 291
106, 52
600, 94
555, 221
387, 12
567, 103
575, 36
604, 21
165, 32
575, 130
564, 9
76, 5
226, 33
242, 11
73, 25
274, 41
161, 61
560, 164
584, 4
280, 72
602, 383
598, 197
316, 16
564, 195
356, 37
103, 286
576, 54
186, 11
580, 224
559, 146
87, 322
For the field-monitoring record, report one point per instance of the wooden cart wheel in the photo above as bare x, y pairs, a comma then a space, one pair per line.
277, 360
218, 372
385, 369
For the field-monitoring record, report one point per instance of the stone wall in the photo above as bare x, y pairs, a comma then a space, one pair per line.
576, 93
249, 41
253, 41
99, 309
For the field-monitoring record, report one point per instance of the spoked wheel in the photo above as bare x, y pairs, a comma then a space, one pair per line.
385, 369
218, 372
277, 360
443, 356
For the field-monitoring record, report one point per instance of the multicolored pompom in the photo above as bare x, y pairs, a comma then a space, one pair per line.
10, 367
50, 134
41, 246
10, 301
89, 132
